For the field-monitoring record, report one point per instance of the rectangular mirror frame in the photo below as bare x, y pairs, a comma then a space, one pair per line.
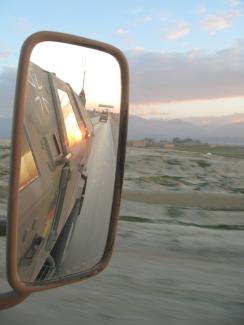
17, 126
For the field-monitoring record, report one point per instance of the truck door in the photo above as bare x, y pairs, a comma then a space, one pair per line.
71, 184
39, 174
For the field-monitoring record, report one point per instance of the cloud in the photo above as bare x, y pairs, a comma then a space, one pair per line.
137, 49
178, 31
141, 20
147, 19
215, 23
234, 3
149, 111
168, 77
164, 15
5, 54
7, 90
135, 11
123, 34
201, 9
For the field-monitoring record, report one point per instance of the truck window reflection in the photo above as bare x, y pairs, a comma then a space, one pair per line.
74, 133
28, 170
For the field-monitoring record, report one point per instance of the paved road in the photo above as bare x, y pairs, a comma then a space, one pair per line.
89, 238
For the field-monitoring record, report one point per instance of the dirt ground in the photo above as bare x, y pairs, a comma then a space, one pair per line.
173, 263
159, 274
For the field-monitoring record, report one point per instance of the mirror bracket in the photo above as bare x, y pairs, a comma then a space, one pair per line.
11, 299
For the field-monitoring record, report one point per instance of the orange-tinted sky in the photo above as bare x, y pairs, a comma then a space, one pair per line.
195, 108
102, 72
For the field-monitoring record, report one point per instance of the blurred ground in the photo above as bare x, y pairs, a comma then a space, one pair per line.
171, 264
158, 275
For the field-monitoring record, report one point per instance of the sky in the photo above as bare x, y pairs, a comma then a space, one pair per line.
186, 58
98, 72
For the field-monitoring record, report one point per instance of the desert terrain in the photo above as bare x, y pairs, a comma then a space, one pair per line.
179, 252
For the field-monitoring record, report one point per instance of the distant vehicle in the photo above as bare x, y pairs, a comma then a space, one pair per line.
57, 139
103, 116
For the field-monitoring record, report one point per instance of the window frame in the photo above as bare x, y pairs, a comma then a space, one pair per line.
62, 114
26, 138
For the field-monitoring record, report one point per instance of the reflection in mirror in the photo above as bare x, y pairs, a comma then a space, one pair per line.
68, 160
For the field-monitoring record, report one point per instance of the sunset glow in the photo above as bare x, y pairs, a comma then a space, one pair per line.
74, 134
194, 108
77, 65
28, 171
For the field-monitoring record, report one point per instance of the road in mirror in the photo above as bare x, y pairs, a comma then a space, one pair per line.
68, 160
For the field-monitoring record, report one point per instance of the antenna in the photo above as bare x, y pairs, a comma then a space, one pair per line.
82, 94
84, 73
83, 84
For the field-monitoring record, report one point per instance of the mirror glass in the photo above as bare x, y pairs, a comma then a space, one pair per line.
68, 160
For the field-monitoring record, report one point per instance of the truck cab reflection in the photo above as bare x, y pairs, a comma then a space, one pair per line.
56, 143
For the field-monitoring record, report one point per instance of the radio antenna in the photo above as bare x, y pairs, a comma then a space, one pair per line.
84, 72
82, 94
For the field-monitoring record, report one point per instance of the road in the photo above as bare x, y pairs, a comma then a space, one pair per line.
89, 238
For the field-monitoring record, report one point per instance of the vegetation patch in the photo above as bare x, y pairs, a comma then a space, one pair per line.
163, 180
136, 219
201, 186
175, 212
4, 147
202, 163
4, 172
5, 155
181, 223
237, 190
3, 193
127, 164
149, 159
173, 162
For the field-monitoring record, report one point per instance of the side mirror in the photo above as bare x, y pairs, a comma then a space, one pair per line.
66, 166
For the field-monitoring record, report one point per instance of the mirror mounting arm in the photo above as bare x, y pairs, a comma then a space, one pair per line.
11, 299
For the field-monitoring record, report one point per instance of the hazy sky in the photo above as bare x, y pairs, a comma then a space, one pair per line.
186, 57
97, 71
